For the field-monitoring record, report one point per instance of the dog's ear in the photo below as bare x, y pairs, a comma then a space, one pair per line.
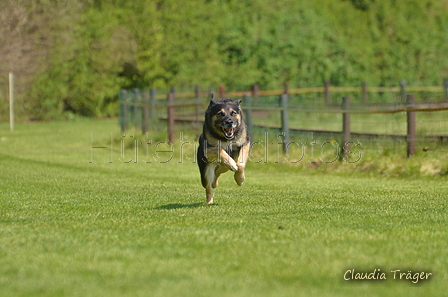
238, 102
212, 101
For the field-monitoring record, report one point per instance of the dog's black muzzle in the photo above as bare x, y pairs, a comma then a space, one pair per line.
228, 127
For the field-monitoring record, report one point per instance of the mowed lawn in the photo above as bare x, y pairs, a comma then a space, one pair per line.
69, 227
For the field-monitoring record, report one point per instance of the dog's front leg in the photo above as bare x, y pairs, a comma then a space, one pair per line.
210, 181
241, 163
217, 154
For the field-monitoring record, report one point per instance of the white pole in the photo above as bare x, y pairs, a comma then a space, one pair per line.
11, 101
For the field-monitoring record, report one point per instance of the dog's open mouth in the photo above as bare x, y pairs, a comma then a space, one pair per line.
228, 132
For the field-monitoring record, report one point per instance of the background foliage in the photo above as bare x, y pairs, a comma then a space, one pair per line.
72, 57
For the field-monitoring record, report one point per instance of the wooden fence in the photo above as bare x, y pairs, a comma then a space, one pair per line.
138, 107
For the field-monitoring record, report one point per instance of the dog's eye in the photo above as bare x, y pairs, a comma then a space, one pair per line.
233, 113
221, 114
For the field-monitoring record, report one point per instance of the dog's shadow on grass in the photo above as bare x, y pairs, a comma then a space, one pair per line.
181, 205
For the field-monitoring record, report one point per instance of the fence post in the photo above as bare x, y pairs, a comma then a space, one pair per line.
285, 123
153, 103
287, 88
403, 84
364, 92
255, 89
170, 108
198, 103
145, 112
345, 147
327, 92
122, 96
445, 86
11, 101
222, 91
410, 99
248, 110
135, 107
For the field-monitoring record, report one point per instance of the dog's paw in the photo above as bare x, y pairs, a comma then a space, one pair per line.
209, 195
239, 177
230, 163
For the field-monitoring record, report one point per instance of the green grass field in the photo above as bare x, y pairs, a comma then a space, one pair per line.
69, 227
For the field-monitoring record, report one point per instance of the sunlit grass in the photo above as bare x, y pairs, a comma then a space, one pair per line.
79, 221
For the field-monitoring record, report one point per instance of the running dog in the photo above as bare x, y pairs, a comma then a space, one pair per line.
223, 145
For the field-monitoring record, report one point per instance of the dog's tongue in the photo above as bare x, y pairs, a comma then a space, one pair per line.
228, 131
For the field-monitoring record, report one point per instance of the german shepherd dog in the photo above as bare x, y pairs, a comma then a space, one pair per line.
223, 145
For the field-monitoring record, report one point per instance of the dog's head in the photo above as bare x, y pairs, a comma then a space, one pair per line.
225, 116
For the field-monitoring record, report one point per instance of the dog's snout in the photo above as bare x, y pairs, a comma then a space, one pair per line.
228, 121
